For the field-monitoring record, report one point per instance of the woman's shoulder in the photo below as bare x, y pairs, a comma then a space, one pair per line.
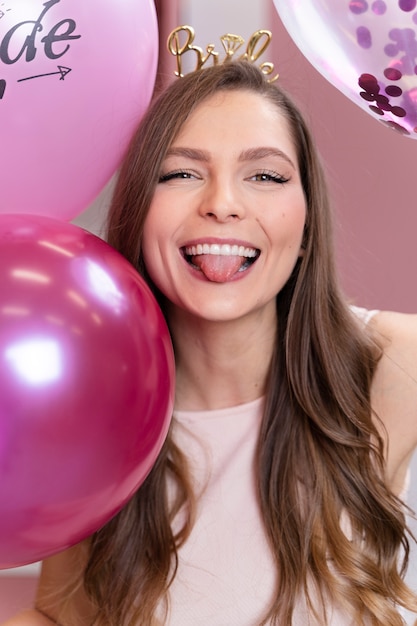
390, 324
397, 333
393, 322
394, 390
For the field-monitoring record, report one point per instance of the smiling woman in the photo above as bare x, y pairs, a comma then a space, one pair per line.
226, 180
276, 498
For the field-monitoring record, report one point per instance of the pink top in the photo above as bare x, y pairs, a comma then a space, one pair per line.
226, 574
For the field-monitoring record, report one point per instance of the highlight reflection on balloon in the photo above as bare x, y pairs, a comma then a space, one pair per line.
367, 49
87, 383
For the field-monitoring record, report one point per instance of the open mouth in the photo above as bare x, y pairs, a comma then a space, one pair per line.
220, 262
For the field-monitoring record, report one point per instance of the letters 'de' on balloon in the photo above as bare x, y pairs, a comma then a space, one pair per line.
87, 384
366, 48
75, 77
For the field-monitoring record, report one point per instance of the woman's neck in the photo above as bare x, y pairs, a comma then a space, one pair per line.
221, 364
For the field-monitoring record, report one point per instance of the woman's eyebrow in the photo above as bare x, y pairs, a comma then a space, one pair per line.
189, 153
252, 154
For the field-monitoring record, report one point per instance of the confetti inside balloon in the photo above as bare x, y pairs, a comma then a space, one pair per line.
367, 49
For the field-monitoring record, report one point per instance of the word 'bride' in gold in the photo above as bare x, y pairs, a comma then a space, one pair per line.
256, 46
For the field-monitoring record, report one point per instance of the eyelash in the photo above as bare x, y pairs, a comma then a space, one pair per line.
270, 177
175, 174
265, 176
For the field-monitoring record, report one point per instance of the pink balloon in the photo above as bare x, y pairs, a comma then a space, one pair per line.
75, 77
87, 385
366, 48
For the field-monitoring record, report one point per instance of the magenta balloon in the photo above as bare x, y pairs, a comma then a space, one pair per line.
87, 385
75, 78
367, 49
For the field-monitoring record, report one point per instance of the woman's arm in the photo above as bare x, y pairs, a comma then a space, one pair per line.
60, 598
29, 618
60, 595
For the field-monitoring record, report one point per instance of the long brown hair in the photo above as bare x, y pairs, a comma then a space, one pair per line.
319, 455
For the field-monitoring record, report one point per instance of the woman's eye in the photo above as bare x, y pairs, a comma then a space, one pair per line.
270, 177
176, 175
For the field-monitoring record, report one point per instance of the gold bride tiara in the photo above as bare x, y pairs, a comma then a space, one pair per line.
180, 42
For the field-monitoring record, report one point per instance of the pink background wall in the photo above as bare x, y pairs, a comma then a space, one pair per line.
372, 172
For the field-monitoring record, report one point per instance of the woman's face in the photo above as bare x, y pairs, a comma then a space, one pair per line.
225, 226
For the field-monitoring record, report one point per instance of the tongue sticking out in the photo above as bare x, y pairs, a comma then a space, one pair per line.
218, 268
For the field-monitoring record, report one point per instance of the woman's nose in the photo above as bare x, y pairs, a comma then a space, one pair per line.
222, 202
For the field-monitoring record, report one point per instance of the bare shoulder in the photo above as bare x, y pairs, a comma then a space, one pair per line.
397, 333
397, 327
28, 618
394, 392
60, 594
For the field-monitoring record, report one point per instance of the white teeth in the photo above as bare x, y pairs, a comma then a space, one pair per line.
222, 250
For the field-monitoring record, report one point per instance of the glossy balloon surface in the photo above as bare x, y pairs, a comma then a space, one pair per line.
87, 384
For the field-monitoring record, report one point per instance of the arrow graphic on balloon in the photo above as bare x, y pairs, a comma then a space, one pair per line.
62, 71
